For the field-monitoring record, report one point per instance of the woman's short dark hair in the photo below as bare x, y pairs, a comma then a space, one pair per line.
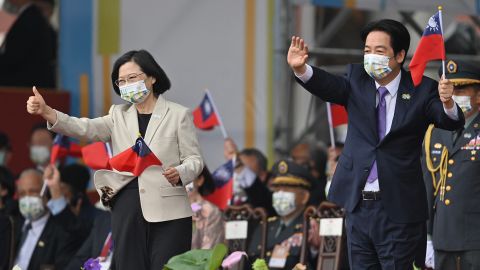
208, 185
399, 36
148, 65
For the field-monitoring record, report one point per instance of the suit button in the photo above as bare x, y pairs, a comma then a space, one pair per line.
451, 161
450, 174
259, 247
142, 190
268, 254
447, 202
448, 188
434, 159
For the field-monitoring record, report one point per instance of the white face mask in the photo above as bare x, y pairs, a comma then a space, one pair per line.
463, 102
39, 154
376, 65
135, 92
283, 202
31, 207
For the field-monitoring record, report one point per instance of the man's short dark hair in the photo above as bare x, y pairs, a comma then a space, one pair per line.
76, 176
261, 159
399, 36
148, 65
208, 183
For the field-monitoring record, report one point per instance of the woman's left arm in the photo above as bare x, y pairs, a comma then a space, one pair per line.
191, 162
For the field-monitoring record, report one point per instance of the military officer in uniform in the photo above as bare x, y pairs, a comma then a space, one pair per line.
291, 192
451, 166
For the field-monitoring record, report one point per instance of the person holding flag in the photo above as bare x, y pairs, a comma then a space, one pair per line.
151, 213
379, 179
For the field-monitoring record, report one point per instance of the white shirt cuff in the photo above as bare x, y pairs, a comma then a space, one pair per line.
57, 205
452, 112
305, 76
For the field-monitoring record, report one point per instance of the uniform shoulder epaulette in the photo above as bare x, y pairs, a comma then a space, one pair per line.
272, 219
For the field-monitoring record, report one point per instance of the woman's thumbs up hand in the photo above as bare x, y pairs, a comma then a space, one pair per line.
36, 104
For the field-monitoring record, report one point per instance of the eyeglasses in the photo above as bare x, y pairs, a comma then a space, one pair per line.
130, 79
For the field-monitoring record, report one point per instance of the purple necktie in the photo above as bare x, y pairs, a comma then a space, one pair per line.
381, 127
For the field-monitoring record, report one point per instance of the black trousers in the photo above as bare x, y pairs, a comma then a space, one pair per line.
376, 242
139, 244
453, 260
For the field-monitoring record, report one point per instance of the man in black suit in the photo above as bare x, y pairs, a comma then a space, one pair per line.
42, 241
26, 53
379, 179
95, 243
451, 166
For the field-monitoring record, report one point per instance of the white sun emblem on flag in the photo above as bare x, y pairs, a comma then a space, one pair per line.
207, 108
432, 24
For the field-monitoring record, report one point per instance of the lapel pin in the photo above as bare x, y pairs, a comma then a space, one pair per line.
41, 243
438, 145
475, 125
406, 96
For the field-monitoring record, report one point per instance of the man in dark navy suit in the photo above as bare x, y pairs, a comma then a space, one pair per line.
378, 179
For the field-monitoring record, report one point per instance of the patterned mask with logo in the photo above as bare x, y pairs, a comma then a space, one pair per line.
31, 207
135, 92
283, 202
376, 65
463, 102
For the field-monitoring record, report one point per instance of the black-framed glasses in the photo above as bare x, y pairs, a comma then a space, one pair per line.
133, 77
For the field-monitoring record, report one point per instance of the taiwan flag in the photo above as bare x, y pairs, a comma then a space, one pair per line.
62, 147
339, 122
96, 156
135, 159
430, 47
223, 179
205, 116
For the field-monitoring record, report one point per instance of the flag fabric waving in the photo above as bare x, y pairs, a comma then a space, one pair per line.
96, 156
62, 147
204, 116
430, 47
339, 122
135, 159
223, 179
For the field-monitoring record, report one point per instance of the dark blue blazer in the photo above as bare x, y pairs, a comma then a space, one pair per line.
398, 154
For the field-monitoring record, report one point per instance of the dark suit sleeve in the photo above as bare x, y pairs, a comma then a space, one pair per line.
64, 250
82, 255
436, 113
427, 178
329, 87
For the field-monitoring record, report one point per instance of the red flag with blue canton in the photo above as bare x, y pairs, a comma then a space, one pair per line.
95, 156
430, 47
223, 179
204, 116
135, 159
62, 147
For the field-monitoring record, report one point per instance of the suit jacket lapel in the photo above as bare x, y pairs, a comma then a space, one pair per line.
404, 94
158, 115
131, 123
370, 96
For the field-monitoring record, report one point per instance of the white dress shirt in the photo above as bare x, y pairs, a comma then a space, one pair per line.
390, 100
26, 250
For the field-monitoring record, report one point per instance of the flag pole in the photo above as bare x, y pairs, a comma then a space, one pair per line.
441, 29
222, 127
330, 124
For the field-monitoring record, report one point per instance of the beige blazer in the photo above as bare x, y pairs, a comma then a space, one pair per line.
170, 135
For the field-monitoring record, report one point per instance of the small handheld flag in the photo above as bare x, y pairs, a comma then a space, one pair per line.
206, 115
135, 159
62, 147
430, 47
223, 179
337, 121
96, 156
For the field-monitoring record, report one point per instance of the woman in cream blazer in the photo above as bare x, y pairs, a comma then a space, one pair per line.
151, 214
